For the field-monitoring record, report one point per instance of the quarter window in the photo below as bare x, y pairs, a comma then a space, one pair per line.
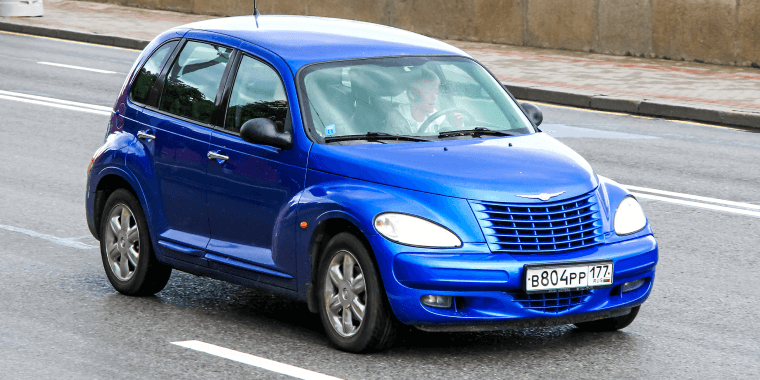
150, 72
193, 81
257, 92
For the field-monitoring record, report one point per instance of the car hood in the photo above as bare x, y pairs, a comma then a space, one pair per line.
488, 169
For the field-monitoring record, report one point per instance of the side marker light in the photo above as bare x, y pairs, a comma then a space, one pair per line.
304, 225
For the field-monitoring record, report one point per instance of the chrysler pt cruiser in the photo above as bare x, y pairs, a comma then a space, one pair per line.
383, 177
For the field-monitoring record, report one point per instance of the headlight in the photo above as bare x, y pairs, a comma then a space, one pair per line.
411, 230
629, 217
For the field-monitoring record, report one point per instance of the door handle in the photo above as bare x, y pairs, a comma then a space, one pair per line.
217, 156
145, 136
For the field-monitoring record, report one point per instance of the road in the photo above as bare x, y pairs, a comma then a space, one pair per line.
60, 318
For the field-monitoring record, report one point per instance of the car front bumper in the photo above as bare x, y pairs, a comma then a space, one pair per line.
488, 288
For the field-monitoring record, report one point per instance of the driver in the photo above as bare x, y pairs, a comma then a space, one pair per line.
422, 92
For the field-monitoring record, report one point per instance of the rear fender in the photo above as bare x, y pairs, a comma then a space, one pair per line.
114, 161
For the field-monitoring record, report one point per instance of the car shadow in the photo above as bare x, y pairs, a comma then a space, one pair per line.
291, 318
557, 338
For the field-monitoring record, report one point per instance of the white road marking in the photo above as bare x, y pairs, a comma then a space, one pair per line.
694, 197
698, 204
81, 237
77, 67
66, 242
256, 361
57, 103
54, 100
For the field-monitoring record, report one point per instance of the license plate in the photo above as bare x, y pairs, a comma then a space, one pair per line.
568, 276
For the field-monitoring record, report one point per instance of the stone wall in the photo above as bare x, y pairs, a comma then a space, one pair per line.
715, 31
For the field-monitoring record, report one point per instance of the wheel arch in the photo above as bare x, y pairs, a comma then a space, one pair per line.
110, 181
327, 228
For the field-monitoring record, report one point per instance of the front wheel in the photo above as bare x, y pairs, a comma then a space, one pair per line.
126, 250
610, 324
352, 304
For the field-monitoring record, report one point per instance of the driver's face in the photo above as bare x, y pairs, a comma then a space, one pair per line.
427, 97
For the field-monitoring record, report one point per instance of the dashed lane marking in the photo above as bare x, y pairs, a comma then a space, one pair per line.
66, 242
76, 67
256, 361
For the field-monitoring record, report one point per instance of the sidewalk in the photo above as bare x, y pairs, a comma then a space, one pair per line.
705, 93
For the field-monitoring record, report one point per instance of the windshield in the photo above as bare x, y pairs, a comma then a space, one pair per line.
428, 97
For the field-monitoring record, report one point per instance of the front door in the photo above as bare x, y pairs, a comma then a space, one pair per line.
252, 188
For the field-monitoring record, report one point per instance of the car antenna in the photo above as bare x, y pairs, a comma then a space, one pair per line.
256, 13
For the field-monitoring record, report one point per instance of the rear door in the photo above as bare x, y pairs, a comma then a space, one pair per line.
252, 192
177, 124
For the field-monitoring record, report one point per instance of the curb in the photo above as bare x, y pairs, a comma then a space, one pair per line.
743, 120
100, 39
642, 107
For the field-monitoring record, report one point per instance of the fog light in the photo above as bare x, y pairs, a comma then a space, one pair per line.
436, 301
633, 285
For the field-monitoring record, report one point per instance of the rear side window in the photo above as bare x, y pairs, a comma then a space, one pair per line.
193, 81
257, 92
150, 72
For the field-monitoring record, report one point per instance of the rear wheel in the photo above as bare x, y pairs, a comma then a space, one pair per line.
610, 324
126, 250
352, 304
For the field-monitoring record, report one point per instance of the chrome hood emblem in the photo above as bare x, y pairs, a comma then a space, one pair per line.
542, 196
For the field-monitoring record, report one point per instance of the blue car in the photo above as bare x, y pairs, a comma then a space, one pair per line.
383, 177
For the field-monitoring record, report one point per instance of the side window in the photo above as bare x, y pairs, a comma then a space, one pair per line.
149, 73
193, 81
257, 92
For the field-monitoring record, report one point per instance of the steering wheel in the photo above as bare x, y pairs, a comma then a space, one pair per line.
426, 124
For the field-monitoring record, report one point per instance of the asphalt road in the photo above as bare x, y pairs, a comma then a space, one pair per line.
60, 318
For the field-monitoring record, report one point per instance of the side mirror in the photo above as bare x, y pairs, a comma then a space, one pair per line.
264, 131
533, 112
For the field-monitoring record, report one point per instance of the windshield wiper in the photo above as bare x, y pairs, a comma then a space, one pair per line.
475, 132
370, 136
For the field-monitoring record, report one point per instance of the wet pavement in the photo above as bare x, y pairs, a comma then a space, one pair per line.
60, 318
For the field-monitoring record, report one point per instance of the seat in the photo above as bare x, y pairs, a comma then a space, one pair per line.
372, 113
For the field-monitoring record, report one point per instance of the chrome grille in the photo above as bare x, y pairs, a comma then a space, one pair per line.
547, 227
552, 302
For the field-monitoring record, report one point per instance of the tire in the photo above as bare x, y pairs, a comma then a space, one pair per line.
366, 329
126, 250
610, 324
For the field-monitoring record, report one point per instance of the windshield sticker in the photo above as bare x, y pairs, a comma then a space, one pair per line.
330, 129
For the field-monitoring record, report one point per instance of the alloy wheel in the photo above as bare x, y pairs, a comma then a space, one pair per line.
345, 294
122, 242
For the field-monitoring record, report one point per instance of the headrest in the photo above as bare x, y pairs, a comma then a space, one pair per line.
377, 81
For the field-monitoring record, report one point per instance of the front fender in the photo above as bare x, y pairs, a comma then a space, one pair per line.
328, 196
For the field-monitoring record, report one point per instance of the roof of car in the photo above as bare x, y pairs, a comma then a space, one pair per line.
301, 40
